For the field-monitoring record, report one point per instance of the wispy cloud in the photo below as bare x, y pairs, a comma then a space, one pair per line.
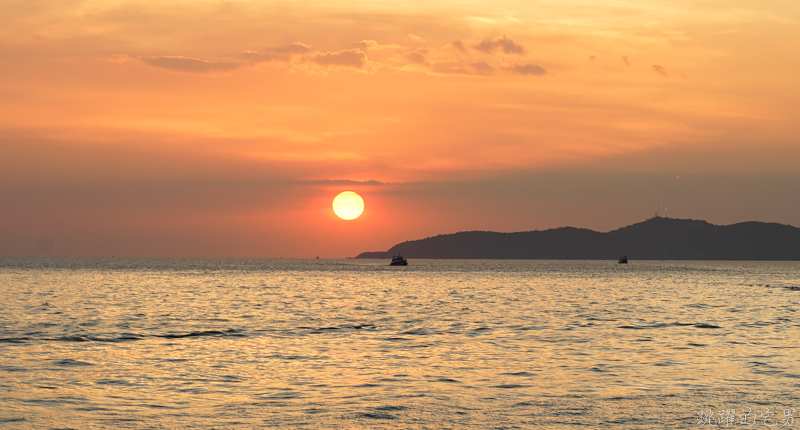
481, 67
354, 58
527, 69
660, 70
374, 45
281, 53
416, 57
347, 182
501, 44
190, 65
454, 58
449, 69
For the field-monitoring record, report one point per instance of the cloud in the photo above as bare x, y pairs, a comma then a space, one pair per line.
482, 68
190, 65
450, 69
282, 53
625, 59
414, 37
531, 69
592, 58
374, 45
347, 57
371, 182
453, 58
503, 44
294, 48
416, 57
660, 70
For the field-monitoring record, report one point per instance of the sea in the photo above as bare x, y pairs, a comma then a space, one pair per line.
114, 343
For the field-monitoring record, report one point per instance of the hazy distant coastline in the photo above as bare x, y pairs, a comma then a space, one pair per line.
658, 238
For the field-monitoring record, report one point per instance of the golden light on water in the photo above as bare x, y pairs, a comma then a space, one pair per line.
348, 205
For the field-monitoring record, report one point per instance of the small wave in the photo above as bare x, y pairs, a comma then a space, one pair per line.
13, 420
71, 362
361, 326
533, 327
150, 405
658, 325
391, 408
129, 336
112, 382
72, 339
14, 339
704, 325
376, 415
324, 329
520, 374
229, 332
448, 380
509, 386
293, 357
416, 332
319, 330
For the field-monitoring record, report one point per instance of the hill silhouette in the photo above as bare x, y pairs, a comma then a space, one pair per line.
658, 238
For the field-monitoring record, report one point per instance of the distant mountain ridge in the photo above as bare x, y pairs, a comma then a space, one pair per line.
657, 238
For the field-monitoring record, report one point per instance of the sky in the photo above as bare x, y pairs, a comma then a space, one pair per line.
226, 128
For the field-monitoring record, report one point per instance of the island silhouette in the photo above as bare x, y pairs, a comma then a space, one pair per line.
658, 238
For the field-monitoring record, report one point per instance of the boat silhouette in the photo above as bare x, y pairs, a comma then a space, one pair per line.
398, 260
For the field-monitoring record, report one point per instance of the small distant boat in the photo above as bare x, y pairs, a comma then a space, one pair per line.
398, 260
623, 259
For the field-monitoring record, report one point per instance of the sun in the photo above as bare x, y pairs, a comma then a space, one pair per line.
348, 205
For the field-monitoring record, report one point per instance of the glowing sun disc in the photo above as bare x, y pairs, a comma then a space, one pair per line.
348, 205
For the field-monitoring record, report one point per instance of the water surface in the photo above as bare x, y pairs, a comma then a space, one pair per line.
352, 344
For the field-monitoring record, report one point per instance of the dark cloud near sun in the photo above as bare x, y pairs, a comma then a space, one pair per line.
501, 44
190, 65
347, 182
458, 45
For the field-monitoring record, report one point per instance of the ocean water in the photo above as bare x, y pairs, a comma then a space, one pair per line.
357, 344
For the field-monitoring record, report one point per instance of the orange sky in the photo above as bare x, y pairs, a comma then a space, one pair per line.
225, 128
